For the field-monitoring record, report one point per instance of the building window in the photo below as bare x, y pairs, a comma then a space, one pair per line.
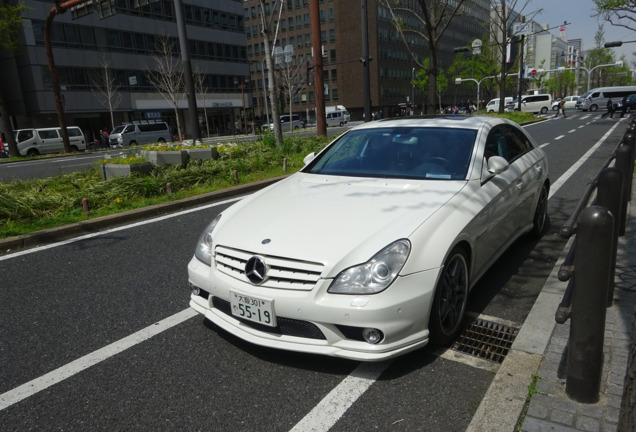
334, 94
332, 35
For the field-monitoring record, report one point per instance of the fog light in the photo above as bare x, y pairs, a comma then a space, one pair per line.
196, 290
372, 336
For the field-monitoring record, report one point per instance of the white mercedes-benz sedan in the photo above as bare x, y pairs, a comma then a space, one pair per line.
371, 249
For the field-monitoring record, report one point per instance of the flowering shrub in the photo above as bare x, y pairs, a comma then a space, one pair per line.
126, 160
174, 147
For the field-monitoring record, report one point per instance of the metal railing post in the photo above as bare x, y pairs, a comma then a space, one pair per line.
587, 327
610, 196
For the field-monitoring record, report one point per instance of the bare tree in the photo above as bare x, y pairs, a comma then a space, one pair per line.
106, 88
433, 18
292, 82
167, 77
502, 36
201, 91
269, 21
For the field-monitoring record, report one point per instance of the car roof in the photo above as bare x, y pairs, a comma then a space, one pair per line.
443, 121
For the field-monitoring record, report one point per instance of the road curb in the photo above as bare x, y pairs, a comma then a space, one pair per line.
50, 235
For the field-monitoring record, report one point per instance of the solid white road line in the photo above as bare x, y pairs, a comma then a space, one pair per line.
338, 401
60, 374
108, 231
570, 172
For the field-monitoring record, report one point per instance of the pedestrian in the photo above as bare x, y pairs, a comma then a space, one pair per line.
103, 136
561, 108
623, 106
610, 108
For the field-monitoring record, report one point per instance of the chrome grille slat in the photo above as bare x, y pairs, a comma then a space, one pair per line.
282, 273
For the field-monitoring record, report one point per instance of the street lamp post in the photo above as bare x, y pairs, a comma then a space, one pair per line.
242, 85
460, 80
589, 71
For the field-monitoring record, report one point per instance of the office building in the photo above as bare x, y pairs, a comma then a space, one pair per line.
123, 36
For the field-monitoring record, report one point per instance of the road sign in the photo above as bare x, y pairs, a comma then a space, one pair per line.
519, 29
533, 72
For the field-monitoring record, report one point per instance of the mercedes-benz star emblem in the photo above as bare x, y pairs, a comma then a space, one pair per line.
256, 270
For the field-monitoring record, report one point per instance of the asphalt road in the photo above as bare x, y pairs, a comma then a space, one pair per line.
96, 334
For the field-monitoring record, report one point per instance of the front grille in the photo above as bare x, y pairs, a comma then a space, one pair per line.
282, 273
286, 326
485, 339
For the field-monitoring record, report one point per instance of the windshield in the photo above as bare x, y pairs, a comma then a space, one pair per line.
118, 129
403, 152
586, 94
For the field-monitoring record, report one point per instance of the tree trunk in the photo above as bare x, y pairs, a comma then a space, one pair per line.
6, 125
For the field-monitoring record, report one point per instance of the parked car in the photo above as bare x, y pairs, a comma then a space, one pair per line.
570, 102
32, 142
371, 249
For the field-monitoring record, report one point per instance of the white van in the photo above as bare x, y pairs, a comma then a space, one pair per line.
32, 142
345, 113
493, 105
539, 103
140, 133
596, 98
336, 118
296, 123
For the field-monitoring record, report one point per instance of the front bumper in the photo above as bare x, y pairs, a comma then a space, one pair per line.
336, 321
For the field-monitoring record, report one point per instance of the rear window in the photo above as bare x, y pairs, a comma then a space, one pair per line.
24, 135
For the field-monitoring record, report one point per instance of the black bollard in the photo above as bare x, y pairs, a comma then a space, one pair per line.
623, 155
587, 324
610, 196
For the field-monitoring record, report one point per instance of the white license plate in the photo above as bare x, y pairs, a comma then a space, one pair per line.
252, 309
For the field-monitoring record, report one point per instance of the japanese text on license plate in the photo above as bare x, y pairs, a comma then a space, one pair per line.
253, 309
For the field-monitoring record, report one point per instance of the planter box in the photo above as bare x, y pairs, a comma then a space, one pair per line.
177, 157
120, 170
203, 153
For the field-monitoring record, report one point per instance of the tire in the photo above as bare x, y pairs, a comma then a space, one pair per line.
33, 152
594, 108
132, 143
540, 218
449, 302
544, 110
161, 140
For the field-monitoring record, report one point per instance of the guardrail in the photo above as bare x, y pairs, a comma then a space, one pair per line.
590, 264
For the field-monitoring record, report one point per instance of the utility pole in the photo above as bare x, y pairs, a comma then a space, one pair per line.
366, 80
319, 88
187, 72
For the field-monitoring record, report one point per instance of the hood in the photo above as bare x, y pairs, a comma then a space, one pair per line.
331, 220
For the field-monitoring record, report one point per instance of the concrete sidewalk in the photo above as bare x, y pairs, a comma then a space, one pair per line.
540, 350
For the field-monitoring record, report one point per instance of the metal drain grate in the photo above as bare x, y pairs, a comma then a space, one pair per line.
485, 339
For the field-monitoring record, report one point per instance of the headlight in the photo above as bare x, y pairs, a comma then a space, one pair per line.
203, 251
375, 275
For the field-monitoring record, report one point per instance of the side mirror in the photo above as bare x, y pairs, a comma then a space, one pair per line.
497, 165
309, 158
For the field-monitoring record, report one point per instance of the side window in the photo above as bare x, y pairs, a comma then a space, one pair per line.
74, 132
517, 144
48, 134
494, 143
25, 135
